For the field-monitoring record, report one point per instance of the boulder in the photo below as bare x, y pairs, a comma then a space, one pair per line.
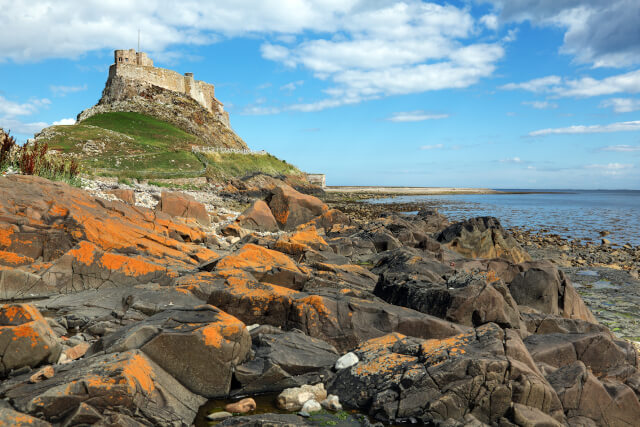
599, 351
583, 396
480, 373
241, 407
482, 237
548, 290
470, 300
265, 265
26, 339
10, 417
198, 346
183, 205
282, 360
344, 276
126, 195
258, 217
301, 241
126, 382
291, 208
341, 320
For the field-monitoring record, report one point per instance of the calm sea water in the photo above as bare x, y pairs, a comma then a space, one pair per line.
575, 214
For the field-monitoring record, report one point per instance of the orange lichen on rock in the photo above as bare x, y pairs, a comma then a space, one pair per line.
317, 304
12, 259
57, 210
27, 331
436, 350
5, 236
384, 364
137, 370
17, 314
85, 253
256, 258
225, 327
301, 241
130, 266
381, 343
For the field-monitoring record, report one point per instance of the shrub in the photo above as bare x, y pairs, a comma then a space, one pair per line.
36, 159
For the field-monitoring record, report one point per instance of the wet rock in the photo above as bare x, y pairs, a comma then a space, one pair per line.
26, 339
291, 208
183, 205
124, 382
293, 399
310, 406
331, 403
482, 237
199, 346
258, 217
346, 361
272, 420
219, 416
480, 373
241, 407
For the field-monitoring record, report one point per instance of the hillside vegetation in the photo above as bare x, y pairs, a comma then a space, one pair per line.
133, 145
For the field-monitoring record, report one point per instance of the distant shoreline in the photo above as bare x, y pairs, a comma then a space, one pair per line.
422, 191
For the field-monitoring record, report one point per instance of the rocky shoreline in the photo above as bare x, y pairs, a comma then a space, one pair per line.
135, 305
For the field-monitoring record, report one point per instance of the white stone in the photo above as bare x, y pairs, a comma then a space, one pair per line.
292, 399
332, 403
346, 361
309, 407
219, 416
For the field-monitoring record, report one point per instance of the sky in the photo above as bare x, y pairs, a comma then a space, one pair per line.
469, 93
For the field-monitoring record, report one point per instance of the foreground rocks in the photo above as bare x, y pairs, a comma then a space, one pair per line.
140, 317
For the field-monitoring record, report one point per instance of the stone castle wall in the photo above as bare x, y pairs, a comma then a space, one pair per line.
133, 65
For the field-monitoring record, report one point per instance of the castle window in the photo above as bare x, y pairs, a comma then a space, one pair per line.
119, 59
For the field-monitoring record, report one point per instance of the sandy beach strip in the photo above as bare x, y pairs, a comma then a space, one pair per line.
400, 191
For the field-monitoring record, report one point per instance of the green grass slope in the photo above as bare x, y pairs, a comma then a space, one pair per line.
133, 145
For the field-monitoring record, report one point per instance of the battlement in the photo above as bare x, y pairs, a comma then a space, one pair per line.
138, 67
132, 57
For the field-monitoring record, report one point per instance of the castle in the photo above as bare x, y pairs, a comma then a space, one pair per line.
137, 66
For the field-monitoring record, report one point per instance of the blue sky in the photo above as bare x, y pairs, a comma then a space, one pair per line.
495, 93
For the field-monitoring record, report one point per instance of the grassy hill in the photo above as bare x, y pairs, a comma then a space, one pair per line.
132, 145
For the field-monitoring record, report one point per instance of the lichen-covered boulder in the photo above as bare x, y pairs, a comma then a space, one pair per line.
198, 346
26, 339
292, 208
301, 241
128, 383
479, 373
482, 237
258, 217
10, 417
265, 265
183, 205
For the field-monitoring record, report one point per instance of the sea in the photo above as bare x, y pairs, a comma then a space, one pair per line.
574, 214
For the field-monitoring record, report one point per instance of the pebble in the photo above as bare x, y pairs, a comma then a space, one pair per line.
346, 361
219, 416
331, 403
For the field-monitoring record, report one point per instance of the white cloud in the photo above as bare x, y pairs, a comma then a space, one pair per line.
432, 147
68, 121
12, 109
290, 87
541, 105
572, 130
622, 148
489, 21
611, 168
536, 85
20, 127
415, 116
622, 105
516, 160
581, 88
64, 90
603, 33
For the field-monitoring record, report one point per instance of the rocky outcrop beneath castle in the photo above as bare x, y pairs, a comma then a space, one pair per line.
436, 337
131, 93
